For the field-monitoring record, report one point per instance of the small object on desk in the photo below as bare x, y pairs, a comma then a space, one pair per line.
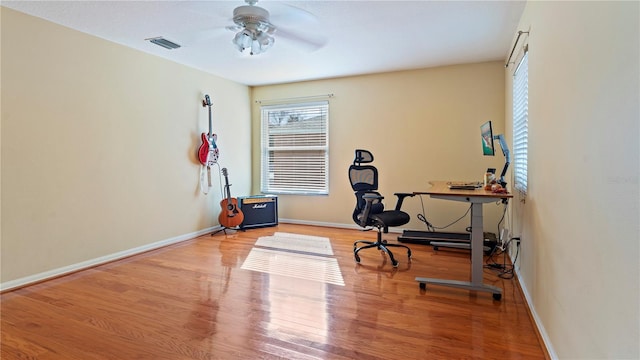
498, 189
490, 177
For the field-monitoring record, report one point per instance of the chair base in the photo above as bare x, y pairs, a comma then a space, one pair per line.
380, 245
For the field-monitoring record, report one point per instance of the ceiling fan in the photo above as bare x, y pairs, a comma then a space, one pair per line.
256, 32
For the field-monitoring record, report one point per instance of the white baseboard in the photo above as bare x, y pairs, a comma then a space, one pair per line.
12, 284
536, 318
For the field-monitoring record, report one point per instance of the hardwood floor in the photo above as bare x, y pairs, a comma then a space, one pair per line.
194, 301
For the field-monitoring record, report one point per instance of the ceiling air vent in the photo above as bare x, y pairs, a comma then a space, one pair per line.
160, 41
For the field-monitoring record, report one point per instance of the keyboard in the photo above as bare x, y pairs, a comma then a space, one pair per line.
462, 185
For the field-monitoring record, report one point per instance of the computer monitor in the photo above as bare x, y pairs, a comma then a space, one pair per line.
488, 148
487, 139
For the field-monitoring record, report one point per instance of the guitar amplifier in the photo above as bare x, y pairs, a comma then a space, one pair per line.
259, 211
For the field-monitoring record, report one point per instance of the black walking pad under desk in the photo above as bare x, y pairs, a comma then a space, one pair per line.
426, 237
444, 238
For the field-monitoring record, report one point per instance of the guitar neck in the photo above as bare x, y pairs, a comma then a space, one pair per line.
227, 186
210, 124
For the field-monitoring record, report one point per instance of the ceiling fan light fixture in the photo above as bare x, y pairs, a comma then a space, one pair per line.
257, 41
256, 29
256, 48
265, 40
243, 39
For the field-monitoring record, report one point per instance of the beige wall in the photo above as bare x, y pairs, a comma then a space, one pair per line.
420, 125
580, 222
98, 147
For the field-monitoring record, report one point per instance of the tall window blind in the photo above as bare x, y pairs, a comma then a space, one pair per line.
295, 148
521, 123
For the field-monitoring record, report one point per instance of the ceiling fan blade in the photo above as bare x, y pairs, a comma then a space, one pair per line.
215, 11
209, 20
290, 15
311, 42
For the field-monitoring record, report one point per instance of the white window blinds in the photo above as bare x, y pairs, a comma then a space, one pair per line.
520, 123
295, 148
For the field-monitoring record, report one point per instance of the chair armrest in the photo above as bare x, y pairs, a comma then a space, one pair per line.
369, 198
401, 197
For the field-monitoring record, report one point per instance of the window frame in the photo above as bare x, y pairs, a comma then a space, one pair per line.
315, 182
520, 113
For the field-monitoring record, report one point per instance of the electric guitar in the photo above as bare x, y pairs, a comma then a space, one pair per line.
208, 152
230, 216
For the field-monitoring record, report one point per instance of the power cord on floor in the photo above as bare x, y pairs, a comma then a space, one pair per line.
505, 270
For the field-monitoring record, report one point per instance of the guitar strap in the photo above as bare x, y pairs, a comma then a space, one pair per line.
205, 179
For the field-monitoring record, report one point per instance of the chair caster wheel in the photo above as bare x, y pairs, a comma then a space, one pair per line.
435, 248
357, 259
497, 296
395, 264
423, 286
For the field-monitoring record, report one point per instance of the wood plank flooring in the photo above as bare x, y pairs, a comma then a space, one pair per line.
193, 301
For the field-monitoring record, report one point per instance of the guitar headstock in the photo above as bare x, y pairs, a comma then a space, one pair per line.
206, 101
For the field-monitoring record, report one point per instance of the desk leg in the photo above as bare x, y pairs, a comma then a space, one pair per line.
477, 260
477, 241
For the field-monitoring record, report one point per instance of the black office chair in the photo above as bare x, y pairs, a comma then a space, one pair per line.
369, 210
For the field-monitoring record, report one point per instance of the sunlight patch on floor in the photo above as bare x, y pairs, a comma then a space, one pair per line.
297, 256
297, 242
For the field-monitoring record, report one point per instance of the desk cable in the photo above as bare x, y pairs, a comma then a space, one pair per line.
505, 271
430, 226
504, 212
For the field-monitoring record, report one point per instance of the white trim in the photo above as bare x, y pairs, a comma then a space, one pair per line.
12, 284
536, 318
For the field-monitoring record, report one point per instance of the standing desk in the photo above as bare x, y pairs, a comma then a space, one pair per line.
477, 197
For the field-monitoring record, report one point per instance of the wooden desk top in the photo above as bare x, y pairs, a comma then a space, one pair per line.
442, 188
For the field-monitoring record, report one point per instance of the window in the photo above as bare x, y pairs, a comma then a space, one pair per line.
520, 123
295, 148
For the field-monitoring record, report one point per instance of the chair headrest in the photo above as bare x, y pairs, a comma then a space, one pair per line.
363, 157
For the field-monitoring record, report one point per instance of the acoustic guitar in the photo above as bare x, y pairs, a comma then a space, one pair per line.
230, 216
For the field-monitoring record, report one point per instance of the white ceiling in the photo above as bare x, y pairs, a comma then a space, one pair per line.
362, 37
